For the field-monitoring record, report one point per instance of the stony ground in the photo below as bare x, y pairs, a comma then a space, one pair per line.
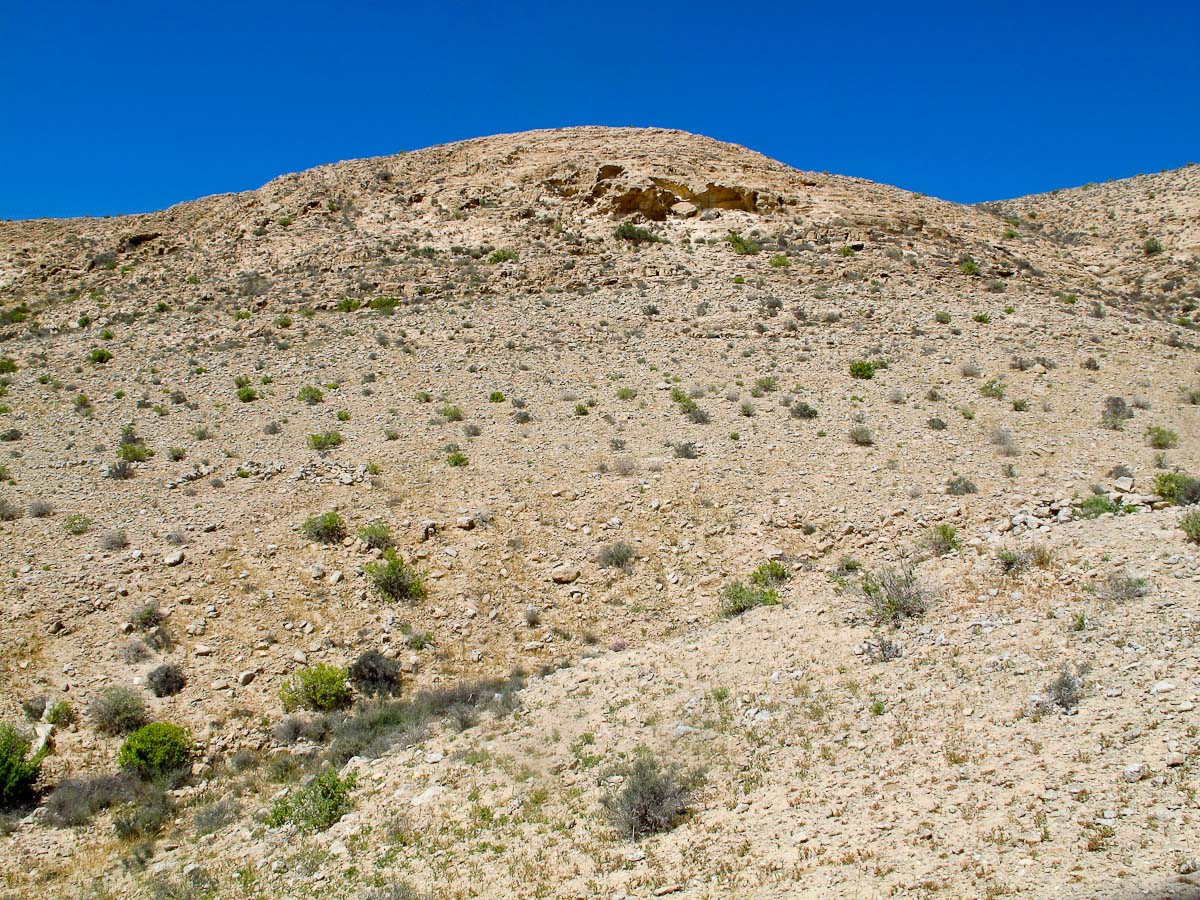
473, 304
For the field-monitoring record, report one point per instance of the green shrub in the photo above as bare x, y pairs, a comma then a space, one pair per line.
456, 459
502, 255
18, 770
320, 687
61, 714
993, 388
7, 365
1161, 438
801, 410
652, 797
310, 394
942, 318
324, 440
627, 231
737, 598
861, 436
155, 750
247, 394
743, 246
1115, 413
327, 528
377, 536
779, 262
1097, 505
77, 524
862, 368
99, 356
894, 596
616, 556
496, 397
1189, 522
451, 413
770, 574
1152, 247
394, 578
118, 710
942, 539
1177, 488
968, 267
317, 805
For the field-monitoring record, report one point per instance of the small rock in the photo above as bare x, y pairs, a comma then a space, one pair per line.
1135, 772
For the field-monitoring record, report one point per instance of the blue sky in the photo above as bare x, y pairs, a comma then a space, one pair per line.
110, 108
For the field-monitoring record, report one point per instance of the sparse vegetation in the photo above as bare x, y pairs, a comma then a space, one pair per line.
321, 687
653, 796
327, 528
394, 579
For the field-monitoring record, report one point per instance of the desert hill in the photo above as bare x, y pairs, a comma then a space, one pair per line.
864, 502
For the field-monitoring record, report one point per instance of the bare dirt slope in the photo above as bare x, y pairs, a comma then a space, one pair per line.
587, 379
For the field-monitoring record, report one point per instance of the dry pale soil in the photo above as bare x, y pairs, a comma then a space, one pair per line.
585, 381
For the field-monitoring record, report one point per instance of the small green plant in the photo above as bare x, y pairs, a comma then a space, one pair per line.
155, 750
894, 596
635, 234
321, 687
456, 459
860, 435
118, 710
343, 415
943, 538
770, 574
317, 805
327, 528
742, 246
615, 556
451, 413
1115, 413
968, 267
993, 388
77, 524
942, 318
324, 440
310, 394
1161, 438
501, 255
377, 536
737, 598
1152, 247
7, 365
395, 579
1095, 505
99, 356
862, 368
1177, 488
18, 770
1189, 523
496, 397
982, 318
626, 393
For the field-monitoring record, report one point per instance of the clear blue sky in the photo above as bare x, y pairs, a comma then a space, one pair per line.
125, 107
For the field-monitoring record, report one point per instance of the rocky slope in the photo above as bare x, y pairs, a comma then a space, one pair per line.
521, 390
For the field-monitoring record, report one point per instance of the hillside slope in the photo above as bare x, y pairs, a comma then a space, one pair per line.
583, 381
